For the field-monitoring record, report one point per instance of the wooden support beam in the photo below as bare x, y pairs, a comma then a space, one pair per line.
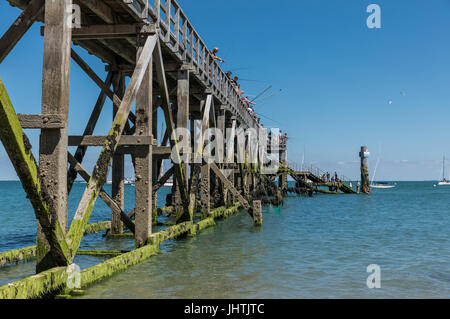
257, 213
143, 168
205, 190
183, 122
105, 31
100, 140
161, 79
38, 121
98, 177
205, 167
103, 195
118, 169
18, 148
34, 9
55, 100
163, 179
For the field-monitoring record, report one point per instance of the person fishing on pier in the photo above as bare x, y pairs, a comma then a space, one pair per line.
284, 139
214, 55
247, 102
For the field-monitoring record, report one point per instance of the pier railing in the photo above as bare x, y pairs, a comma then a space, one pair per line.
184, 41
319, 172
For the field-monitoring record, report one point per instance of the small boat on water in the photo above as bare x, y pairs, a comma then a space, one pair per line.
381, 185
444, 181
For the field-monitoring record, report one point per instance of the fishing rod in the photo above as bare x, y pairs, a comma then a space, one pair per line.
258, 81
269, 97
268, 118
260, 94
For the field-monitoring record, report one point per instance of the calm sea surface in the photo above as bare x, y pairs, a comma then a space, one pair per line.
311, 248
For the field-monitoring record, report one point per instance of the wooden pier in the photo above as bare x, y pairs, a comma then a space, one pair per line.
169, 67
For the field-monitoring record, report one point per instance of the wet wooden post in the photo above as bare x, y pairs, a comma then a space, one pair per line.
231, 124
143, 173
220, 189
364, 155
55, 101
257, 213
205, 169
283, 160
182, 122
118, 170
155, 166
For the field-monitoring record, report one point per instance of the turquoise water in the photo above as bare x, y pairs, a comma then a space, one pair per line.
315, 247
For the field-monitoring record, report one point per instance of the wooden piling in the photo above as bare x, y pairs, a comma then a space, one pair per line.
54, 142
365, 183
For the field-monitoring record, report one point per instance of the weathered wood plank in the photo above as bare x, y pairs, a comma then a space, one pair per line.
105, 31
118, 170
100, 140
182, 122
38, 121
55, 100
143, 158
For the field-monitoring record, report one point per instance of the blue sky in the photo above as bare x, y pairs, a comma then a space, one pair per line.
336, 75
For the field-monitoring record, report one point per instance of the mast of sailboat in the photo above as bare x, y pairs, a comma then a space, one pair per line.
443, 169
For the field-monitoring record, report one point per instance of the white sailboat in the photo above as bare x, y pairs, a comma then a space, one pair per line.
379, 185
444, 181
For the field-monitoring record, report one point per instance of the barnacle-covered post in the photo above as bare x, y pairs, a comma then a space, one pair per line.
54, 141
364, 155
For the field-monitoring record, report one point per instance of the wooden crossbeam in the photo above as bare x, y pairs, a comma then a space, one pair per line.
103, 195
39, 121
90, 140
16, 31
105, 31
160, 183
98, 177
19, 151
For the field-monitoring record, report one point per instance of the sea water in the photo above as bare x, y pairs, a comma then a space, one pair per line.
317, 247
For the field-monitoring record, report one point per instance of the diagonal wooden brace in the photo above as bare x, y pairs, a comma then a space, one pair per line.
98, 177
19, 151
26, 19
103, 195
231, 188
